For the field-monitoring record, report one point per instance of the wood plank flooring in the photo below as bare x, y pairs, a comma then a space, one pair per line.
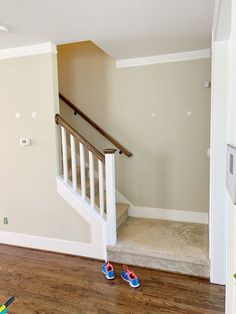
51, 283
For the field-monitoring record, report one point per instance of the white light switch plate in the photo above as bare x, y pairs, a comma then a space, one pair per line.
231, 172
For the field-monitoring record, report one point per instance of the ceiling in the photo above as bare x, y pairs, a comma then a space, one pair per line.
122, 28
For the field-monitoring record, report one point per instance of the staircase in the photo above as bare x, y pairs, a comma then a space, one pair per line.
86, 180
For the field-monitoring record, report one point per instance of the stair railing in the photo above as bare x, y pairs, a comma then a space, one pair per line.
108, 158
76, 110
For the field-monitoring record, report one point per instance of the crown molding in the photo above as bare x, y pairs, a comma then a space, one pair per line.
28, 51
172, 57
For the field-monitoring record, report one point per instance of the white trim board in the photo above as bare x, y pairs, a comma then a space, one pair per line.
163, 214
169, 214
48, 244
28, 51
166, 58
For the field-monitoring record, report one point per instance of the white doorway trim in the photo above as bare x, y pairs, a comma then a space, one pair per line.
218, 192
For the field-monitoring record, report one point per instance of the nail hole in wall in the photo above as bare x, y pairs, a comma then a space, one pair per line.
17, 115
34, 115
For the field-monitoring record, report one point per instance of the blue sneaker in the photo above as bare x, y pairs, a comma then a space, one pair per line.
130, 277
108, 270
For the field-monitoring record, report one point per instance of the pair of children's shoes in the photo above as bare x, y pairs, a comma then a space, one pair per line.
126, 274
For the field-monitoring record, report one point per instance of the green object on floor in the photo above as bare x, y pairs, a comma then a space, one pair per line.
4, 307
4, 311
235, 275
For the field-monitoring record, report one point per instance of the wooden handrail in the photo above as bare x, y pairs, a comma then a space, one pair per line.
79, 137
76, 110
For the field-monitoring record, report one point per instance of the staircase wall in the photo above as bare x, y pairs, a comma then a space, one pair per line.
170, 166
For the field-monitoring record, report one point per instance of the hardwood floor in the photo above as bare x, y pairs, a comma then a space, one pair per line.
53, 283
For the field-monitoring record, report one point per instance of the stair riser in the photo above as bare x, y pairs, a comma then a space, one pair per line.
158, 263
121, 219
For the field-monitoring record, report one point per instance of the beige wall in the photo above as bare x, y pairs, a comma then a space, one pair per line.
170, 167
28, 174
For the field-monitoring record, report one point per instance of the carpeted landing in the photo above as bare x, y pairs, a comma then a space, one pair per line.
161, 244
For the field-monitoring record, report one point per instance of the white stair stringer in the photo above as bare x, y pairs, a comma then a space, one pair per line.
97, 247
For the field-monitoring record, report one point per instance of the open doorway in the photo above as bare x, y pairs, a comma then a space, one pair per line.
161, 112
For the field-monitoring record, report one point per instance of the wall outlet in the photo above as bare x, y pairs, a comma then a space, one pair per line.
5, 221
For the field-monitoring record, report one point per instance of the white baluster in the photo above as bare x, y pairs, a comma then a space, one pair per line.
101, 187
110, 194
91, 178
64, 154
82, 171
73, 162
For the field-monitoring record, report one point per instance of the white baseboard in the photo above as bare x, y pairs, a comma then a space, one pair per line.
164, 214
169, 214
49, 244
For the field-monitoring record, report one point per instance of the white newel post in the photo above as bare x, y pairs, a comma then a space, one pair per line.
110, 194
101, 187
